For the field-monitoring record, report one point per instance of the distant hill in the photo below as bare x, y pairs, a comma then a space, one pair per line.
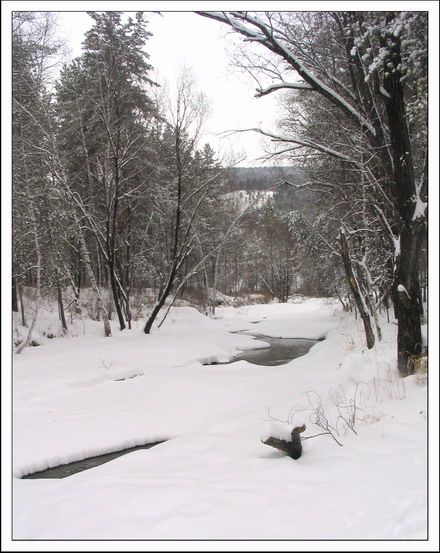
244, 182
261, 178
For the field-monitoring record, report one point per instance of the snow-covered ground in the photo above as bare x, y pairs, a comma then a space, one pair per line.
214, 479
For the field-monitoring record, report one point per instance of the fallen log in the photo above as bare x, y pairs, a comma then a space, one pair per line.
292, 448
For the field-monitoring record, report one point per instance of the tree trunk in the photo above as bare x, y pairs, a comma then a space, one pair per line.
116, 295
407, 301
214, 282
61, 306
406, 286
20, 294
355, 290
14, 296
91, 276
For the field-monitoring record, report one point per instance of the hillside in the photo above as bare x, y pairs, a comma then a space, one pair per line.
275, 183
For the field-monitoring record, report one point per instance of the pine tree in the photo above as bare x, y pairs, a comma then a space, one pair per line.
106, 118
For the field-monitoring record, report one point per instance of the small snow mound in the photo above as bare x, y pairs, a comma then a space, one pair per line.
184, 316
283, 430
277, 429
123, 374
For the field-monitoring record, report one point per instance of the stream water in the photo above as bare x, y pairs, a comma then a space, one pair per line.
280, 352
61, 471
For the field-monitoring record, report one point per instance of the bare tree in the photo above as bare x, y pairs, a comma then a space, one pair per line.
375, 49
187, 116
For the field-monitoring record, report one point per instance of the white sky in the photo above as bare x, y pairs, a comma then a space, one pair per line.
184, 39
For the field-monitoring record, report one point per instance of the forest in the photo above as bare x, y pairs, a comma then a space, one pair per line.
217, 346
114, 193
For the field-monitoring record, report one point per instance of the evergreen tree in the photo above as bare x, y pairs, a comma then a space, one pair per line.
106, 121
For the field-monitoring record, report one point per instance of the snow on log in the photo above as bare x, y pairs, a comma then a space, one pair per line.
292, 447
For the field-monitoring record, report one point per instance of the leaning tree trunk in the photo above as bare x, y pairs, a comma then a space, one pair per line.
163, 295
61, 305
355, 290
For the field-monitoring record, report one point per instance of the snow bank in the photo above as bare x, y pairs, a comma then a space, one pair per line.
213, 478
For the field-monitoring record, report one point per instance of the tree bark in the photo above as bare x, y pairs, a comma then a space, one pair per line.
406, 287
61, 306
14, 295
407, 301
91, 276
23, 315
26, 342
116, 295
357, 294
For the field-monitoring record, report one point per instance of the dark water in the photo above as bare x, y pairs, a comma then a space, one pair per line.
61, 471
280, 352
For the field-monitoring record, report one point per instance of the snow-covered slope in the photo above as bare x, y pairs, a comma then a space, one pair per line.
214, 478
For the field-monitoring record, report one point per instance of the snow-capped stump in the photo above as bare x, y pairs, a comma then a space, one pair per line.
293, 448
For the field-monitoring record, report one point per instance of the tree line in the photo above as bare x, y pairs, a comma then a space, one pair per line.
355, 86
112, 190
109, 185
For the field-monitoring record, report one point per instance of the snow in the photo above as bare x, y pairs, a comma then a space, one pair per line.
401, 288
384, 92
214, 479
283, 85
243, 199
419, 210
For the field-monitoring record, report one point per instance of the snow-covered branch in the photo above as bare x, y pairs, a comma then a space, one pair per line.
283, 85
252, 27
304, 143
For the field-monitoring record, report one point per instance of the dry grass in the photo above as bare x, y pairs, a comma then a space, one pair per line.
418, 365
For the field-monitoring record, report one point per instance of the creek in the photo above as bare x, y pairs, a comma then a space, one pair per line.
279, 352
61, 471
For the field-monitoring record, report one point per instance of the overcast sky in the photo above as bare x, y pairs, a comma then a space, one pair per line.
181, 37
186, 39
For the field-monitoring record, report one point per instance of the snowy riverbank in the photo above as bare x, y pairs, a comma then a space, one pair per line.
214, 478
